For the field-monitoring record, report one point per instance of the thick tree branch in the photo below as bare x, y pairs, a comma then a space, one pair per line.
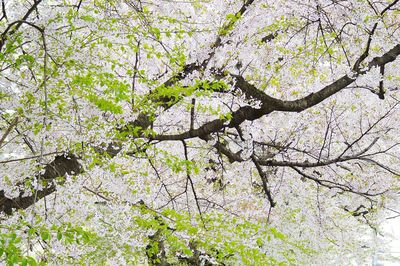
270, 104
59, 167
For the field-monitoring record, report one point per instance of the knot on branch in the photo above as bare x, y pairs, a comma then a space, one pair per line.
62, 165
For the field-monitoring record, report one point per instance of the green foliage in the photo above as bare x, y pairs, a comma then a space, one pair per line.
214, 235
20, 243
104, 79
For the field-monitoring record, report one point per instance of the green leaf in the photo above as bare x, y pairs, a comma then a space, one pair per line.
277, 234
31, 261
45, 235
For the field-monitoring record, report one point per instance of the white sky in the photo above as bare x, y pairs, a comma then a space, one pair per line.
392, 230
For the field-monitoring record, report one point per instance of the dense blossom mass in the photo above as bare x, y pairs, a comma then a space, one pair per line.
198, 132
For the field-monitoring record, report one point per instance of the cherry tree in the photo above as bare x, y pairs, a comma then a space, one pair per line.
197, 132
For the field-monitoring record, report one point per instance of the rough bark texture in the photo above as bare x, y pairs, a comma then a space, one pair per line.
59, 167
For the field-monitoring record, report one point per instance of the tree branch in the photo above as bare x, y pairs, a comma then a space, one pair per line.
61, 166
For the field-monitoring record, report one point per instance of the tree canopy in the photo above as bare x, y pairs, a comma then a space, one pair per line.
197, 132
